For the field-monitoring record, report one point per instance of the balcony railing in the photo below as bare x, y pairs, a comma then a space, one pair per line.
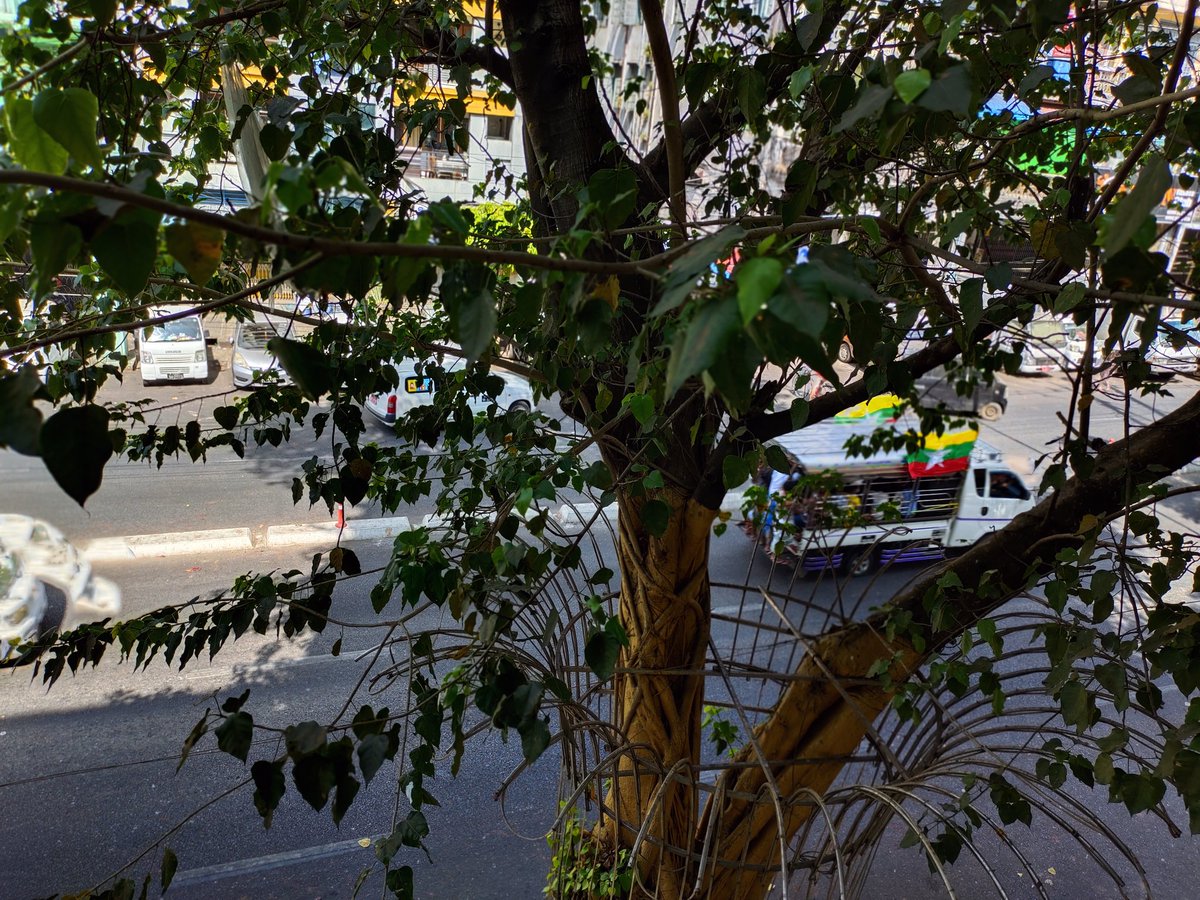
424, 163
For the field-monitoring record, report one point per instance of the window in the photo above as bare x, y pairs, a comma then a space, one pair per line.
1006, 486
981, 482
499, 128
1183, 266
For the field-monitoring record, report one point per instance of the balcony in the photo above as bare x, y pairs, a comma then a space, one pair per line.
425, 163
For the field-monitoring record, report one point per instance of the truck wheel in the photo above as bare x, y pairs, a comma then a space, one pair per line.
845, 352
860, 561
991, 412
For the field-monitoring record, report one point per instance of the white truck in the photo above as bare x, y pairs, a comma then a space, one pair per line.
855, 514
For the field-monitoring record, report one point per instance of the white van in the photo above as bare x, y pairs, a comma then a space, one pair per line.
417, 389
173, 351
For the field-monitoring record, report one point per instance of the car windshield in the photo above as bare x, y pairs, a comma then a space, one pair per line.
179, 330
10, 571
255, 336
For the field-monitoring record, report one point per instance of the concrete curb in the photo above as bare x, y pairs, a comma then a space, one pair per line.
141, 546
327, 532
569, 517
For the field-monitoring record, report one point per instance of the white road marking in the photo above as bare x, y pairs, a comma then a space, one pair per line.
236, 868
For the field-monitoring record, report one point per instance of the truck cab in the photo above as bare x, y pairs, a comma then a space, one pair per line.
175, 350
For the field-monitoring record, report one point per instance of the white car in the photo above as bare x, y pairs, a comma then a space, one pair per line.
22, 603
173, 351
417, 387
1176, 355
35, 555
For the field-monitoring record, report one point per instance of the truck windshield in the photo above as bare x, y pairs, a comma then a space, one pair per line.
179, 330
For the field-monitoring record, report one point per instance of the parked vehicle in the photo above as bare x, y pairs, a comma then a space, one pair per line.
174, 351
22, 603
251, 359
1044, 346
35, 559
1175, 348
938, 389
855, 514
419, 381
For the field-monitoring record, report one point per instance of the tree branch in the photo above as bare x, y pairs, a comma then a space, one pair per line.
664, 70
331, 246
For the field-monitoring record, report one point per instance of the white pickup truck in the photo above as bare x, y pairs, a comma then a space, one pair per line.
855, 514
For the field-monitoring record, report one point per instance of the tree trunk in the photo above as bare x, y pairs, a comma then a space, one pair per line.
659, 688
816, 719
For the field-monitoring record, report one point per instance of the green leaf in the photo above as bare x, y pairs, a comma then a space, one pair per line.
535, 738
734, 471
1076, 705
970, 302
314, 776
307, 366
1142, 792
269, 787
601, 652
949, 92
226, 416
54, 243
911, 84
29, 144
275, 140
127, 250
235, 733
655, 516
1139, 203
198, 731
69, 115
799, 81
757, 280
614, 191
304, 738
75, 448
169, 864
705, 337
642, 407
372, 752
684, 271
476, 323
103, 10
196, 247
20, 420
873, 99
750, 87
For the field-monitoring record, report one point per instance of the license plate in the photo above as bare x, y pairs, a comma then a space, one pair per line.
418, 385
175, 376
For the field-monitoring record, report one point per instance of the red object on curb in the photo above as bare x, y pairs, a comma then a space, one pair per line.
341, 516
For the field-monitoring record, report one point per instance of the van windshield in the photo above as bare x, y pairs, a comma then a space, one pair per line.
1049, 332
179, 330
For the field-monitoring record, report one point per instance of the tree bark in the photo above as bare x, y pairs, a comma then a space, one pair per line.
552, 76
659, 687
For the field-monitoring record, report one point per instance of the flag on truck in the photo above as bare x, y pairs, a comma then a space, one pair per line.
942, 454
878, 409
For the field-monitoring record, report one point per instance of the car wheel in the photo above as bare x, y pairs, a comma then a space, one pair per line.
845, 352
521, 406
860, 561
991, 412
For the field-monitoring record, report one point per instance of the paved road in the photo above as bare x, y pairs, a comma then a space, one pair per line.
95, 756
223, 491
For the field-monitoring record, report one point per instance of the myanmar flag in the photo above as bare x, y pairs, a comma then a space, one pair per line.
942, 454
878, 409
